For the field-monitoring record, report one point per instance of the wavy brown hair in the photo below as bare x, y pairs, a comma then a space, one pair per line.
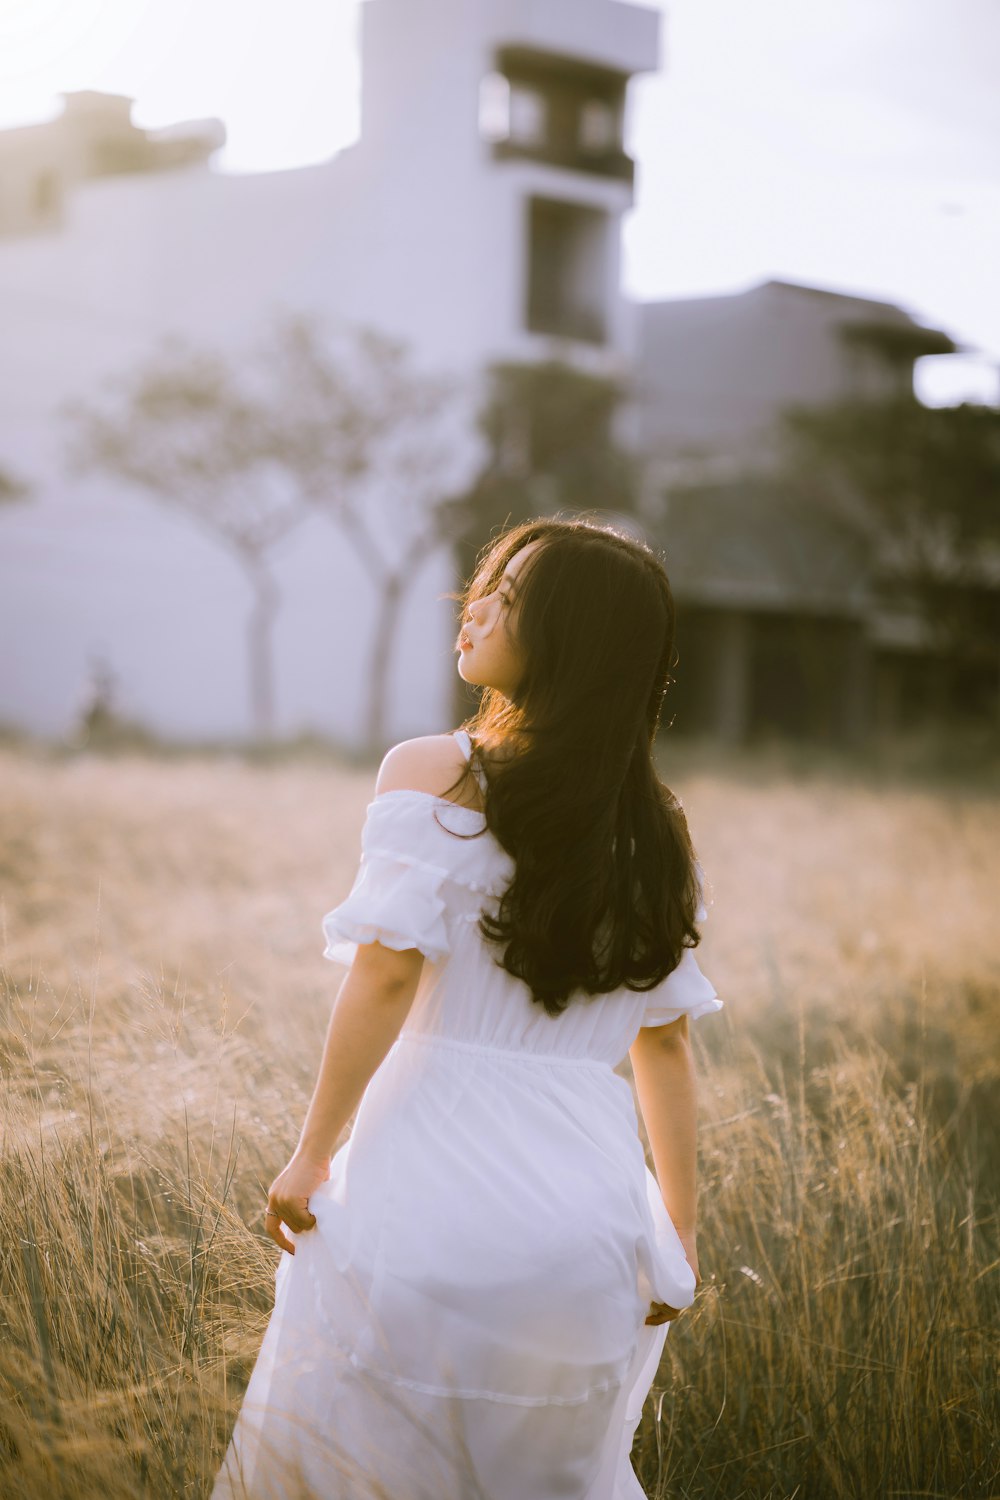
606, 889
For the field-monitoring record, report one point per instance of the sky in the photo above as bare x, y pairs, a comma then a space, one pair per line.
851, 144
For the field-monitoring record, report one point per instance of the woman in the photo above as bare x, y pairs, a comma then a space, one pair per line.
477, 1287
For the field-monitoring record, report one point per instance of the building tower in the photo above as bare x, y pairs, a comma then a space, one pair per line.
508, 167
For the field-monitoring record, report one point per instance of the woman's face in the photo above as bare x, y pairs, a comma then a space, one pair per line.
487, 642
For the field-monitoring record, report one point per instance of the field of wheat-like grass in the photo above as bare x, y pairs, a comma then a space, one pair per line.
162, 1005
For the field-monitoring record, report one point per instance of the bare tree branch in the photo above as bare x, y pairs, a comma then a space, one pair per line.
335, 422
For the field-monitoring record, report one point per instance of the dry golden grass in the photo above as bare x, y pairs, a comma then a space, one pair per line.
162, 1005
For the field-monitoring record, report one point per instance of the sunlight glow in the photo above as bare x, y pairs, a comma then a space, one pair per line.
950, 379
286, 81
843, 145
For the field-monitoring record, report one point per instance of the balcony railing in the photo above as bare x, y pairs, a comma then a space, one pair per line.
614, 164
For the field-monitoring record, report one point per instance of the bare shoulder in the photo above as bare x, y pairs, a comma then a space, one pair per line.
430, 763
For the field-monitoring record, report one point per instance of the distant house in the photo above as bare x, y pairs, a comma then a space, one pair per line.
780, 623
716, 372
41, 166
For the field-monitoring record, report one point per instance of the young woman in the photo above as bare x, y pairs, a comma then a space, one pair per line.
477, 1286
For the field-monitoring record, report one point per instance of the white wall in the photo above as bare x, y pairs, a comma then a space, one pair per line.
414, 230
89, 565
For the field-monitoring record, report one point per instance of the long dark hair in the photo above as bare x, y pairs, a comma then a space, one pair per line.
606, 888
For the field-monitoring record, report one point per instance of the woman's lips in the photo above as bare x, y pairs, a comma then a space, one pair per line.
464, 643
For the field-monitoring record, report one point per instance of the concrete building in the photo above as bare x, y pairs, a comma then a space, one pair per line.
715, 373
781, 625
477, 218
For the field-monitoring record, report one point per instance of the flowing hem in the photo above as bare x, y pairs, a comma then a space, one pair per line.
467, 1394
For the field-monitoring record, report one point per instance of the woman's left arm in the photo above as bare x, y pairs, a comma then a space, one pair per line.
371, 1006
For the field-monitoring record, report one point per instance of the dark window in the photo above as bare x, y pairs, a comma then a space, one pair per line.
567, 288
559, 111
598, 126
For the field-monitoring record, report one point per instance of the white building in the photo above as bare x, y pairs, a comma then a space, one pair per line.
477, 218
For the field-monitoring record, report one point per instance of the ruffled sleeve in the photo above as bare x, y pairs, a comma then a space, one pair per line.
396, 898
686, 990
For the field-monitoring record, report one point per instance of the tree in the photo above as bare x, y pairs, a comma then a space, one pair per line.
201, 440
12, 488
921, 487
377, 446
310, 422
550, 446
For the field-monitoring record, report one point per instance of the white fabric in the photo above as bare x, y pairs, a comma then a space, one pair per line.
467, 1316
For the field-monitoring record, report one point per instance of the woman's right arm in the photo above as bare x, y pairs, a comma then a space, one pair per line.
663, 1068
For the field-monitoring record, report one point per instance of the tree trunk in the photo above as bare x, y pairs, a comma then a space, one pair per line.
260, 626
390, 603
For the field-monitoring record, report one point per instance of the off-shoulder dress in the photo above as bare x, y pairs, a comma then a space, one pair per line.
466, 1318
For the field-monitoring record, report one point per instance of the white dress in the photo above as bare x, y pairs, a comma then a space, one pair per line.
466, 1318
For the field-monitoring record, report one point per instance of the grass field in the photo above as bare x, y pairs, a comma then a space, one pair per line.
162, 1005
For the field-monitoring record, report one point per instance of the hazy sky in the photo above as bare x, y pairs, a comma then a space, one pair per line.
853, 144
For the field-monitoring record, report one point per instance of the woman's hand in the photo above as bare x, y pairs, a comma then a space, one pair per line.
689, 1241
288, 1199
662, 1312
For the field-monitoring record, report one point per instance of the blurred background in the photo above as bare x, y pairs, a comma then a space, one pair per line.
298, 305
297, 310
